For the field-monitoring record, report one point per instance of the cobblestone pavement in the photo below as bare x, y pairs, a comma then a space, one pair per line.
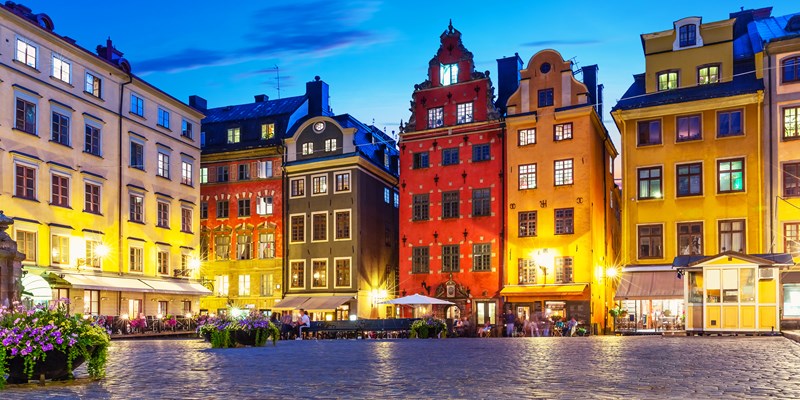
497, 368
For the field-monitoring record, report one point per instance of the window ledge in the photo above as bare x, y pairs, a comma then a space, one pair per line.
137, 115
24, 131
92, 154
93, 213
136, 222
61, 81
59, 143
18, 62
163, 177
93, 96
26, 198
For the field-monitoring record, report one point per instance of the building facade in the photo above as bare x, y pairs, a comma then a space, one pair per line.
340, 180
100, 172
451, 190
562, 204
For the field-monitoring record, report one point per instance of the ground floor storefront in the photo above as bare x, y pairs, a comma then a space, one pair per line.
649, 299
790, 316
546, 306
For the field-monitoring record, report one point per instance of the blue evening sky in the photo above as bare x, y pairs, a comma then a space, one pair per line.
370, 52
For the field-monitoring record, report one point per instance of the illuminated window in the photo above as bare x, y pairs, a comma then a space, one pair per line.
297, 187
688, 128
730, 175
319, 184
435, 117
791, 238
330, 145
464, 113
59, 248
527, 271
234, 135
650, 183
448, 74
791, 123
26, 52
527, 136
527, 223
61, 68
319, 273
94, 85
667, 80
26, 244
222, 246
308, 148
707, 74
342, 182
244, 285
563, 269
267, 131
527, 176
563, 172
298, 269
136, 259
244, 246
732, 235
562, 132
266, 245
342, 272
186, 220
163, 165
186, 173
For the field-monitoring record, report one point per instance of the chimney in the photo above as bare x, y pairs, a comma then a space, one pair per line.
198, 103
260, 98
317, 94
507, 80
595, 90
108, 51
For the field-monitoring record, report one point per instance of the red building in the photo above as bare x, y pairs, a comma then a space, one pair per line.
451, 191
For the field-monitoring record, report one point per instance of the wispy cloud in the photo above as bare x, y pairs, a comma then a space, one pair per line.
308, 28
550, 43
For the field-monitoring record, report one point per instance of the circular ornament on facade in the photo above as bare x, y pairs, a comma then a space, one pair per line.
319, 126
545, 68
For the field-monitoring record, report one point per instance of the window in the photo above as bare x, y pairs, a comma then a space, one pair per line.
527, 223
264, 205
707, 74
731, 236
136, 256
690, 179
244, 208
136, 208
650, 183
464, 113
319, 273
223, 209
651, 238
222, 246
342, 228
267, 131
330, 144
60, 132
565, 221
690, 239
26, 52
421, 206
649, 132
163, 118
137, 155
396, 200
450, 156
420, 260
186, 129
186, 220
527, 271
203, 210
244, 246
61, 68
264, 169
386, 196
562, 132
26, 116
564, 270
298, 228
266, 245
25, 182
92, 140
791, 179
481, 202
234, 135
94, 85
687, 35
667, 80
688, 128
59, 190
450, 258
526, 136
527, 176
791, 123
729, 123
244, 285
448, 74
791, 238
26, 244
91, 198
59, 248
435, 117
91, 302
308, 148
202, 139
450, 204
730, 175
481, 152
137, 105
342, 182
163, 165
298, 187
186, 173
221, 285
319, 184
563, 172
546, 97
482, 257
790, 69
420, 160
162, 260
162, 214
244, 171
222, 173
319, 227
342, 272
298, 274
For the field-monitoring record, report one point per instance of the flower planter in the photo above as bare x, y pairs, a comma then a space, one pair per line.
245, 338
53, 367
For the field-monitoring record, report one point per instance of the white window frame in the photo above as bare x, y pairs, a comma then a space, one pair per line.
526, 137
63, 112
349, 181
162, 163
330, 145
35, 168
350, 263
324, 177
307, 148
69, 187
136, 111
265, 205
311, 225
92, 123
203, 175
159, 203
30, 99
95, 77
187, 172
244, 282
58, 59
303, 283
28, 43
234, 135
163, 117
327, 275
305, 226
304, 188
350, 224
140, 246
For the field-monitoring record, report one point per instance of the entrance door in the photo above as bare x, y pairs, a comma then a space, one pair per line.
485, 310
453, 312
523, 312
134, 308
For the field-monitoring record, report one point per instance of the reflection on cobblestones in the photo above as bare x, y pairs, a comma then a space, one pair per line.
594, 367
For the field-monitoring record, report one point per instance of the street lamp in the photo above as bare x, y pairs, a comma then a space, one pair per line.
610, 272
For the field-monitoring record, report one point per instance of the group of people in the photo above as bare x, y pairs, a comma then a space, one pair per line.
290, 325
537, 325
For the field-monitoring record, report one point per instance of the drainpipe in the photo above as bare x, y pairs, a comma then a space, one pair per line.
771, 157
285, 228
120, 255
503, 187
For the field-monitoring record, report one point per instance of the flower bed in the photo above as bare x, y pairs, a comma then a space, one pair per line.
428, 328
251, 329
49, 341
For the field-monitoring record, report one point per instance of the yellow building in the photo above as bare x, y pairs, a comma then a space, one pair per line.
562, 217
693, 163
99, 171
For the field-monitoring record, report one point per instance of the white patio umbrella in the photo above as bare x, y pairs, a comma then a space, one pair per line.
417, 300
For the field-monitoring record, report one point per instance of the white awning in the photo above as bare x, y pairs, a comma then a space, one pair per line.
96, 282
290, 303
38, 288
326, 303
178, 287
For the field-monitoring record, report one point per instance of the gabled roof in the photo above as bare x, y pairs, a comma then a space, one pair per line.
761, 259
269, 108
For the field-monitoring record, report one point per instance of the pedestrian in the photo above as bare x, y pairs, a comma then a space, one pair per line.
510, 320
302, 322
286, 325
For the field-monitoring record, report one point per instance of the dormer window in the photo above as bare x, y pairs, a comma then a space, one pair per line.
667, 80
687, 35
448, 74
708, 74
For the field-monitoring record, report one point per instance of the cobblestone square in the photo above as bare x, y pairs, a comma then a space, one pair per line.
569, 368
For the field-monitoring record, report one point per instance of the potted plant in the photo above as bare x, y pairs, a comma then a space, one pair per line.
170, 322
48, 342
428, 328
252, 329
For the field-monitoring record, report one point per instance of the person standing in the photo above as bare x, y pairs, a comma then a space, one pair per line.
510, 320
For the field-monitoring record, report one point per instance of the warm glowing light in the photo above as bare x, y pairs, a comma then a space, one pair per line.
188, 315
353, 317
212, 315
86, 316
194, 263
101, 250
611, 272
328, 317
159, 316
383, 293
124, 316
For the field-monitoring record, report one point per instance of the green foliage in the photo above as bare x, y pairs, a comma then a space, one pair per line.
430, 327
